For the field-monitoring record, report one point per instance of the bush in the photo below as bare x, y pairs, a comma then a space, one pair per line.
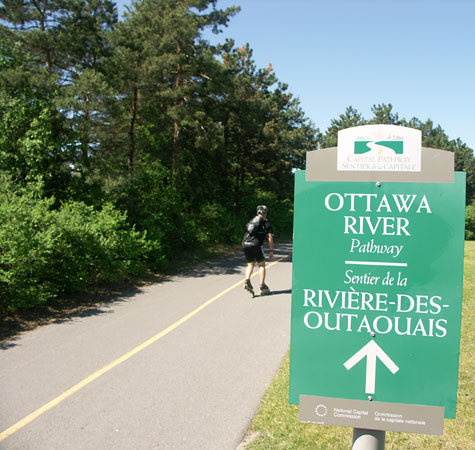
94, 247
470, 222
45, 252
214, 224
153, 207
27, 239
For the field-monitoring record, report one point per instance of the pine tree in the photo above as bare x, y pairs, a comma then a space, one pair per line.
64, 44
166, 69
350, 118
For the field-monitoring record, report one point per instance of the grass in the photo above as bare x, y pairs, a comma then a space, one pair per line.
276, 424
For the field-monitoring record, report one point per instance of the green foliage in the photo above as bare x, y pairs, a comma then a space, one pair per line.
350, 118
30, 143
470, 222
383, 114
212, 226
155, 208
100, 244
27, 239
45, 252
130, 142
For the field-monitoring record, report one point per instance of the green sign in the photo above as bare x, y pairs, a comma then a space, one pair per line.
377, 291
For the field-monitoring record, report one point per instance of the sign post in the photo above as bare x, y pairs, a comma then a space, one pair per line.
377, 284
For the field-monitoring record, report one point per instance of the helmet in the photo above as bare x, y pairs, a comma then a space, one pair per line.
261, 209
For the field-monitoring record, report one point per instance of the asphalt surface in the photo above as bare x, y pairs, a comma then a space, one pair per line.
180, 364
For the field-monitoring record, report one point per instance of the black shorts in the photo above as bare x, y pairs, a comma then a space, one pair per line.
253, 253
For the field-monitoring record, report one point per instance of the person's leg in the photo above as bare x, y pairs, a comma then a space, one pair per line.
262, 272
247, 284
249, 254
249, 269
262, 278
261, 262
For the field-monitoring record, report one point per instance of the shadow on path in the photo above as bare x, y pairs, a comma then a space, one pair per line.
100, 301
59, 311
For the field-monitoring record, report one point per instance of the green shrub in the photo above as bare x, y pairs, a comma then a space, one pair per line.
215, 224
470, 222
155, 208
45, 252
95, 247
27, 239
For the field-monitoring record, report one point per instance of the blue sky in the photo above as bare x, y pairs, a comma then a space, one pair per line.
418, 55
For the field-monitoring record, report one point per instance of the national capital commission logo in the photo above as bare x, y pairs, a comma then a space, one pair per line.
379, 148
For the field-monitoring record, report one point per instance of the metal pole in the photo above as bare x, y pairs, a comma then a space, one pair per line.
368, 439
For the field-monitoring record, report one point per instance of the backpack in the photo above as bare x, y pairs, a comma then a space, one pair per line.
252, 228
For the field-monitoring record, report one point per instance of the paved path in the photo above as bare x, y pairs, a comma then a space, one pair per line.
180, 364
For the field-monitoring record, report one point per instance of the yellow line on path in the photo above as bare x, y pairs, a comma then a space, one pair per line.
50, 405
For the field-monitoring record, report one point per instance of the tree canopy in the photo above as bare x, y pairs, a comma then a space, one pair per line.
164, 138
147, 114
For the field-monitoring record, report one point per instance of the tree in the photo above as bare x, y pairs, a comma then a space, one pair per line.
60, 46
35, 25
171, 85
383, 114
350, 118
64, 36
179, 135
32, 134
83, 44
465, 162
169, 67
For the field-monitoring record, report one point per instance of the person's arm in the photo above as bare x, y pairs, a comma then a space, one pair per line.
271, 245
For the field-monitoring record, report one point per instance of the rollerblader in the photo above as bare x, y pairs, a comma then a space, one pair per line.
256, 231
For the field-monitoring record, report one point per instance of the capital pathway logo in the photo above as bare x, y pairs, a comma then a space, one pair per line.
379, 148
395, 147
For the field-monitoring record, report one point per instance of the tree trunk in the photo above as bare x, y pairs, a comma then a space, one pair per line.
176, 126
176, 156
48, 57
131, 156
85, 164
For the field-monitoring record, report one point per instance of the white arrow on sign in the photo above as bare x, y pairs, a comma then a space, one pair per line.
372, 351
